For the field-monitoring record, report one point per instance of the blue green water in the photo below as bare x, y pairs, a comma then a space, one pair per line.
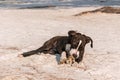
56, 3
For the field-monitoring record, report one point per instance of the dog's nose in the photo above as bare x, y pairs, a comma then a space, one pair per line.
74, 55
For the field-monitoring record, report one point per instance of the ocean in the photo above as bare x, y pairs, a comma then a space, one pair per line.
56, 3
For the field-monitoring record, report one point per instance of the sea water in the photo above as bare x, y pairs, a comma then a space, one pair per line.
56, 3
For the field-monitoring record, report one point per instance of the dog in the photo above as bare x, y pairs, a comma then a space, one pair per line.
57, 45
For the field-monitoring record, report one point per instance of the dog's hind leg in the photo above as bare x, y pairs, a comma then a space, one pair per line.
25, 54
43, 49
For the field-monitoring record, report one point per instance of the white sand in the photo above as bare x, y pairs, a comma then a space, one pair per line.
24, 30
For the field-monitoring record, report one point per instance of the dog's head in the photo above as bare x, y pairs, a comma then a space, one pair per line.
75, 37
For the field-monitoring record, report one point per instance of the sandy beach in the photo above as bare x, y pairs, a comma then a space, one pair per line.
23, 30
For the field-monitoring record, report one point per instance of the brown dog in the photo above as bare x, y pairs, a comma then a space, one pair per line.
57, 45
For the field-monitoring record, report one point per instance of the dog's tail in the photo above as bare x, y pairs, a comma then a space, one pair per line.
26, 54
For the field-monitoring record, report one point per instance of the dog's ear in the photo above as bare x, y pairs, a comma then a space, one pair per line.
88, 39
71, 33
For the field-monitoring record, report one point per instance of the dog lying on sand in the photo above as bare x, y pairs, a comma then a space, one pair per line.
57, 45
